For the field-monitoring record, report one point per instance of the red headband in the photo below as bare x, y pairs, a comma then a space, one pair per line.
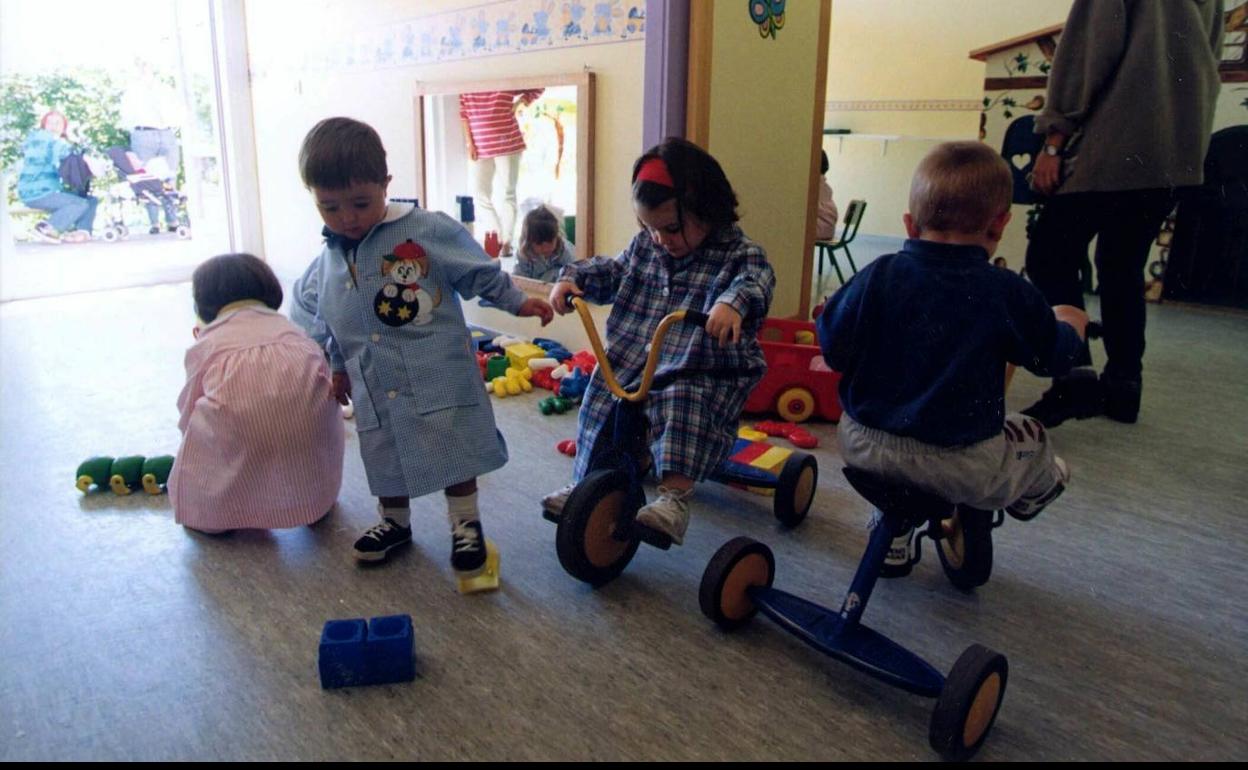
655, 170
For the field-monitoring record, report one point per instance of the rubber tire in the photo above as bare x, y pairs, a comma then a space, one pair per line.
974, 567
732, 555
802, 394
184, 232
111, 235
789, 510
970, 676
123, 231
584, 510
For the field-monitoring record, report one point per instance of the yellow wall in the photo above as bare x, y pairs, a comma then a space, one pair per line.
762, 106
900, 68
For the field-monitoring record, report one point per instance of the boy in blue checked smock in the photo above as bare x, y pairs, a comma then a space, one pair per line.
383, 299
690, 254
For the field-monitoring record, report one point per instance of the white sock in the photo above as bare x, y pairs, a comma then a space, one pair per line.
462, 509
400, 516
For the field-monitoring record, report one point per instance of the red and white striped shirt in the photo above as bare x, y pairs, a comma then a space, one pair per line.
491, 117
262, 440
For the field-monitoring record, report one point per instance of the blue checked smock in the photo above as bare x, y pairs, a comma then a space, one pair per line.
423, 416
700, 386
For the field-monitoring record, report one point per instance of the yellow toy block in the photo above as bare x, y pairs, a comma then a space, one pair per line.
772, 460
515, 382
520, 354
489, 578
749, 434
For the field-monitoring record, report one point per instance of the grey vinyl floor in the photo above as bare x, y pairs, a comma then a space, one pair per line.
1122, 608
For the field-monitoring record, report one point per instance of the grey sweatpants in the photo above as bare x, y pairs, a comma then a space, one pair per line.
1018, 462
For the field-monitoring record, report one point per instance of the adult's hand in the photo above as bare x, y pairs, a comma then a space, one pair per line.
1046, 175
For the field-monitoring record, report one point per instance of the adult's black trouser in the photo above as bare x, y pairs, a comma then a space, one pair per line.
1125, 225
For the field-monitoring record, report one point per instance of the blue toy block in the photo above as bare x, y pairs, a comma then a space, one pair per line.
354, 653
573, 386
553, 349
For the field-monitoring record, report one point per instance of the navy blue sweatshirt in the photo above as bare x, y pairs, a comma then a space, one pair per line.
922, 337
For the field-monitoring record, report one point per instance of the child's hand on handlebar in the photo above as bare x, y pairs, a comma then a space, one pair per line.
724, 323
560, 299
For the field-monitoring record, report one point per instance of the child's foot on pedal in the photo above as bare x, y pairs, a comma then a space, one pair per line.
554, 502
1028, 507
467, 548
377, 542
900, 559
669, 514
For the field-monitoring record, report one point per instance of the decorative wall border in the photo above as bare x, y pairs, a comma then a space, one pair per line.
906, 105
496, 28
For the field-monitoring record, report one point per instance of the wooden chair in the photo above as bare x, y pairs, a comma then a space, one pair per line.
853, 218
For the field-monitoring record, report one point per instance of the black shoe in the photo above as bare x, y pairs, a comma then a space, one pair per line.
378, 541
1122, 398
901, 556
153, 230
1078, 395
467, 548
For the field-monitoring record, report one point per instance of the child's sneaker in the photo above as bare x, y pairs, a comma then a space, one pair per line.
900, 559
669, 514
554, 502
44, 231
1027, 508
376, 543
467, 548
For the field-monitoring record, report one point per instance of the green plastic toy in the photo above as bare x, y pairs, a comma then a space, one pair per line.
126, 474
555, 405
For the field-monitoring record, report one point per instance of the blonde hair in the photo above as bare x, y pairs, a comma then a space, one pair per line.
960, 187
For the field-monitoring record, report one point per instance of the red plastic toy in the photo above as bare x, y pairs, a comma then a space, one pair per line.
584, 360
797, 385
543, 379
796, 434
567, 447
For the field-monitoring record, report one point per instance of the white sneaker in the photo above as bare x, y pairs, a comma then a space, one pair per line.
669, 514
1027, 508
555, 501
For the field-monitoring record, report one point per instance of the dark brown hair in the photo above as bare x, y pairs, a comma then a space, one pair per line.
231, 278
701, 187
540, 226
340, 152
959, 187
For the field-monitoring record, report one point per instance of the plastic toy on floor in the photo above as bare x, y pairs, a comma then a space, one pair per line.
555, 405
125, 474
567, 447
489, 578
513, 383
355, 653
797, 436
598, 534
737, 584
798, 384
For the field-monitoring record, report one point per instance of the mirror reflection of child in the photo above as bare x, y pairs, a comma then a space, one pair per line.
543, 251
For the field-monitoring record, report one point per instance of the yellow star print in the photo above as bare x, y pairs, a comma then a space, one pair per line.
384, 308
404, 314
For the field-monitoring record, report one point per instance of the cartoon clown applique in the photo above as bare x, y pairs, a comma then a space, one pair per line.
403, 300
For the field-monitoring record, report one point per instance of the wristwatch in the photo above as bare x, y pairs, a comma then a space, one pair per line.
1052, 150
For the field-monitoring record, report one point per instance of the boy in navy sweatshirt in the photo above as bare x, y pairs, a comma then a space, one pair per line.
922, 339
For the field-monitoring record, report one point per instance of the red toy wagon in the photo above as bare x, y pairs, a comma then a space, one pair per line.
798, 384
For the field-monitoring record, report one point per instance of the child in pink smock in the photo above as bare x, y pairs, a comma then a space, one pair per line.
262, 436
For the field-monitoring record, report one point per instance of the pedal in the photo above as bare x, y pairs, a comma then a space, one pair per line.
652, 537
489, 578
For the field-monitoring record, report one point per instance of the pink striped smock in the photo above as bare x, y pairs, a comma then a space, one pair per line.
491, 117
262, 439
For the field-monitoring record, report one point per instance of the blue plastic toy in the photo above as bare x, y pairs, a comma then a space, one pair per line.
573, 386
553, 349
354, 653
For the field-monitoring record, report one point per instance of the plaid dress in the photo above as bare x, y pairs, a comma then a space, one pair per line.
700, 386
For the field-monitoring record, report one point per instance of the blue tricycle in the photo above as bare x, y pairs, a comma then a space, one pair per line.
737, 584
597, 532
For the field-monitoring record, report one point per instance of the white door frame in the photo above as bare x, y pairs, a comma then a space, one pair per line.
235, 125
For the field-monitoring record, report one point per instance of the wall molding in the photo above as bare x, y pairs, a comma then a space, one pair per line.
905, 105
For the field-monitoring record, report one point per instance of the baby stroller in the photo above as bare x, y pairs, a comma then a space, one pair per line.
142, 187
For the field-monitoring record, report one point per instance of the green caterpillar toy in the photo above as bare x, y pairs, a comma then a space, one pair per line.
126, 474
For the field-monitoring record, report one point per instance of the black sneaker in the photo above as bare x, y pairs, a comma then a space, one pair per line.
1078, 395
467, 548
379, 540
153, 230
901, 557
